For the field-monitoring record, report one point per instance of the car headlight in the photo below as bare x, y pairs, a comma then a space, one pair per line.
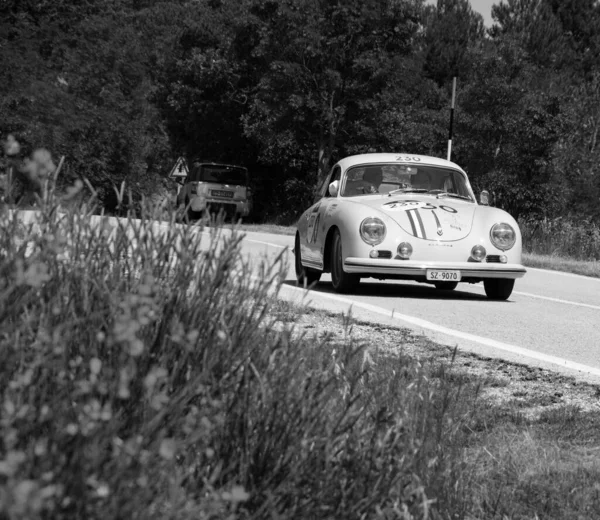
503, 236
372, 231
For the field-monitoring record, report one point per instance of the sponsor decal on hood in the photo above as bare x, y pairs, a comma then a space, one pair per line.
429, 219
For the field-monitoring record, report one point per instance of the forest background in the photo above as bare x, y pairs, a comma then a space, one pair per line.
121, 88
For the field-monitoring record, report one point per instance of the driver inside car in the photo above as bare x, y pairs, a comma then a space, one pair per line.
372, 179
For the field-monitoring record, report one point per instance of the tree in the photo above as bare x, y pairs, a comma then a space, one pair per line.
202, 96
452, 31
555, 33
576, 155
510, 125
327, 60
77, 80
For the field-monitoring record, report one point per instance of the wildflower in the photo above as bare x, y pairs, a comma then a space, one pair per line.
237, 494
167, 449
11, 146
40, 166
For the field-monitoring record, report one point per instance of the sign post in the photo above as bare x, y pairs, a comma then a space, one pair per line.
451, 117
180, 170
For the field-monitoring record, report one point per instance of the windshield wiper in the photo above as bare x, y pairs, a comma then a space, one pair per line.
453, 195
406, 190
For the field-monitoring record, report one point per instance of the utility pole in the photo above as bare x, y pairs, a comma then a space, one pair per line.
451, 117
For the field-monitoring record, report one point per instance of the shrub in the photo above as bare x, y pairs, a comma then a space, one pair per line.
144, 374
579, 240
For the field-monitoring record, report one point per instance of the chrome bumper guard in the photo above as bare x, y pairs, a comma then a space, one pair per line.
419, 269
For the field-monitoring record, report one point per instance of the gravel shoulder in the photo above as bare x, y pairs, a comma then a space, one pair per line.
532, 390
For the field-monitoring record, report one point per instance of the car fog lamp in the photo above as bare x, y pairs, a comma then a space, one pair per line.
503, 236
374, 253
503, 259
405, 250
478, 253
372, 231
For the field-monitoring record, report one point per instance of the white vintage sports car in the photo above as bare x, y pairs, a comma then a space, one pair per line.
408, 217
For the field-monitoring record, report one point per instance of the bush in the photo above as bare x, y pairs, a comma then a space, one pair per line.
144, 374
579, 240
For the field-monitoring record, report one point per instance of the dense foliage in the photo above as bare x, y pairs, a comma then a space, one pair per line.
123, 87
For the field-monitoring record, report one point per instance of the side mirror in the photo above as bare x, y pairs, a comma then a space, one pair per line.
484, 198
334, 188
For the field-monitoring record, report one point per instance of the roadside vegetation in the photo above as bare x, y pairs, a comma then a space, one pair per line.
142, 376
145, 376
562, 245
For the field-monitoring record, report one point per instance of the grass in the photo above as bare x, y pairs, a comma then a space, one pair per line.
558, 263
546, 467
529, 445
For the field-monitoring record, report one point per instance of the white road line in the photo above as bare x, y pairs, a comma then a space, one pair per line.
563, 273
558, 300
266, 243
423, 324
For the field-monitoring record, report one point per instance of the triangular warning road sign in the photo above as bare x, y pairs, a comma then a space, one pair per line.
180, 169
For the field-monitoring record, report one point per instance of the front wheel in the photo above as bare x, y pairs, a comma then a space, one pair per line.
305, 276
341, 280
498, 288
445, 286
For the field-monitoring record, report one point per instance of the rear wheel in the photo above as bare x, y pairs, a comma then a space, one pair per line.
498, 288
305, 276
341, 280
445, 286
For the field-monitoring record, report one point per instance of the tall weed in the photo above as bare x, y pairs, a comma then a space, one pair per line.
579, 240
143, 374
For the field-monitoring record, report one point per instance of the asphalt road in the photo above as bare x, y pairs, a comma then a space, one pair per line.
551, 320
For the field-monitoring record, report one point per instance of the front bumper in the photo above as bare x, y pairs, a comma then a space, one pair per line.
415, 270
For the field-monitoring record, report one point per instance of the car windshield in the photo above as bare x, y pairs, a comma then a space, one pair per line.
224, 174
402, 178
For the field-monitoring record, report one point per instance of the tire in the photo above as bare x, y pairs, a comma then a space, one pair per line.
304, 275
446, 286
342, 281
498, 288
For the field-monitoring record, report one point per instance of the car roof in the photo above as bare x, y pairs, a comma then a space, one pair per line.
369, 158
207, 163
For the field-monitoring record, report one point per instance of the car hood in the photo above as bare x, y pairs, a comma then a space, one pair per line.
426, 217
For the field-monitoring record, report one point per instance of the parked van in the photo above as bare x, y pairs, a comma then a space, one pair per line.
211, 187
